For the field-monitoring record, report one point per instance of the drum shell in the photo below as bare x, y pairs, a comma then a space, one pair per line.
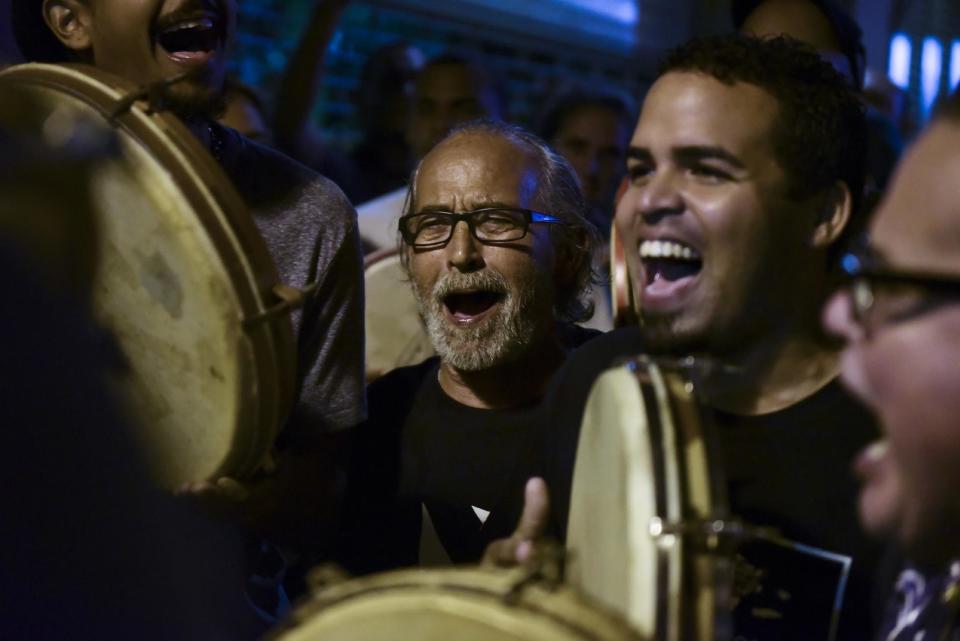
210, 385
646, 460
395, 335
480, 604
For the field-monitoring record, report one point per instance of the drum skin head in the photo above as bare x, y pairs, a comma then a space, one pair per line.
612, 502
476, 604
643, 466
180, 268
395, 336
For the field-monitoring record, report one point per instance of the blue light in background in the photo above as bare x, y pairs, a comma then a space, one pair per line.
955, 65
899, 67
625, 11
931, 66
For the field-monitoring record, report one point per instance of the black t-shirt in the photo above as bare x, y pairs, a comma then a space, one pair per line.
789, 470
467, 466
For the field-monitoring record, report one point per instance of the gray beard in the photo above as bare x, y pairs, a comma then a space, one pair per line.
502, 338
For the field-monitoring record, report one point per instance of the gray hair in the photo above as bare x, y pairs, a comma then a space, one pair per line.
559, 194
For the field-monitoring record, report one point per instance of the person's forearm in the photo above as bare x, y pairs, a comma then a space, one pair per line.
302, 79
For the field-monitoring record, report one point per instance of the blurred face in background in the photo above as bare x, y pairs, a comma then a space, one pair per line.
448, 94
594, 139
902, 354
802, 20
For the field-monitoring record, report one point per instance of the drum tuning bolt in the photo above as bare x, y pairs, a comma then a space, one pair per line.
710, 535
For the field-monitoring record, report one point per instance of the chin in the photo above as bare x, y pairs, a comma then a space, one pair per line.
929, 536
197, 100
879, 513
672, 334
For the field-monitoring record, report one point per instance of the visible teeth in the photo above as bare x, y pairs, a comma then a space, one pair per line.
204, 23
667, 249
877, 450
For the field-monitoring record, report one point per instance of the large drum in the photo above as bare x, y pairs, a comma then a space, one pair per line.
183, 280
478, 604
395, 335
648, 505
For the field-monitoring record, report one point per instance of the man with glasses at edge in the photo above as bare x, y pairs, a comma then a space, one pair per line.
900, 319
497, 247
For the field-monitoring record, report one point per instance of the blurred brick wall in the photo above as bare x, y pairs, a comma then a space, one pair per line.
269, 29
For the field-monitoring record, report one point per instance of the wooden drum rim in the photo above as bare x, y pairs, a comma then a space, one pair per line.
224, 217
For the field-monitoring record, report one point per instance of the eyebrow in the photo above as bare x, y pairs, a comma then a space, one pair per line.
689, 154
486, 204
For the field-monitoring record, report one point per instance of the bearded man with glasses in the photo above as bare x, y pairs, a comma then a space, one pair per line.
497, 247
900, 318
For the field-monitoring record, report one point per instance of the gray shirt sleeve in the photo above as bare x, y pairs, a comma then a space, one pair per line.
330, 345
310, 229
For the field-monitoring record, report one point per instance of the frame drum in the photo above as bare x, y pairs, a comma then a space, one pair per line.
476, 604
646, 493
395, 336
621, 287
184, 281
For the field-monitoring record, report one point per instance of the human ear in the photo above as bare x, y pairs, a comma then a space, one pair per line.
70, 21
834, 216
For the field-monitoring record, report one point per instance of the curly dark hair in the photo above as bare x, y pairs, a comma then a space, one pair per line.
820, 134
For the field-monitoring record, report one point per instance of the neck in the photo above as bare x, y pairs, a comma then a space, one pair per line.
508, 385
775, 373
202, 128
199, 127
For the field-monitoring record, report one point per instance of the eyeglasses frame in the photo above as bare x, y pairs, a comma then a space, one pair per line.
862, 271
530, 216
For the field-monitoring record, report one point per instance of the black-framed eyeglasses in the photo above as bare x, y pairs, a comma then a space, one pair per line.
490, 225
881, 295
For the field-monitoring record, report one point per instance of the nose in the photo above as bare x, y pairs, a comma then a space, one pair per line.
464, 252
838, 317
660, 196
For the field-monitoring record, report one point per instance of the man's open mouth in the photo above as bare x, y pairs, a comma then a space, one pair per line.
468, 307
670, 268
195, 36
669, 260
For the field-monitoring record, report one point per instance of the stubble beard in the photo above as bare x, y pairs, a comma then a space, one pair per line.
197, 100
504, 337
666, 335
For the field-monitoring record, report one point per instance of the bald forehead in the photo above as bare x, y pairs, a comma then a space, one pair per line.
478, 163
918, 223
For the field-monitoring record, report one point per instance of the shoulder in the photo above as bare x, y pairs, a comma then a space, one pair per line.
571, 386
267, 177
597, 353
573, 336
397, 388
